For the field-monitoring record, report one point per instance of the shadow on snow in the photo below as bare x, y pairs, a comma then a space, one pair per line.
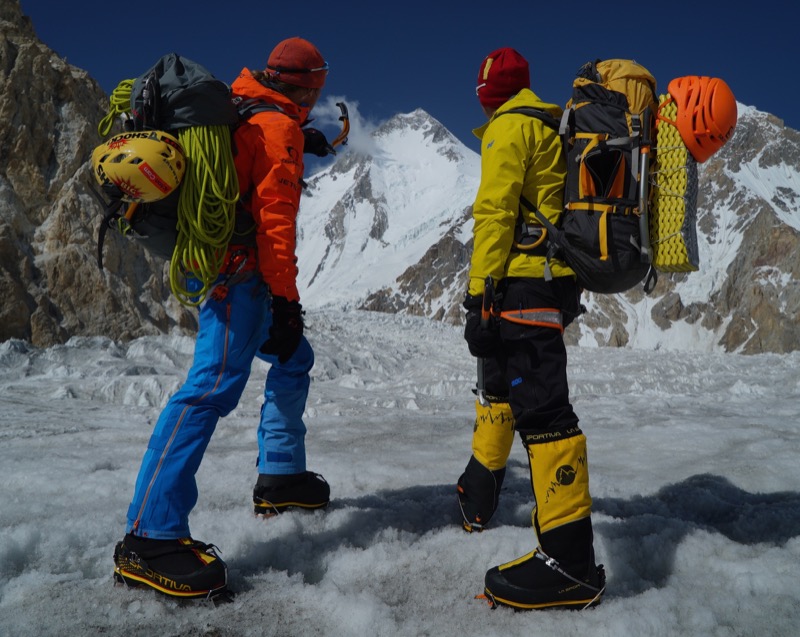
640, 543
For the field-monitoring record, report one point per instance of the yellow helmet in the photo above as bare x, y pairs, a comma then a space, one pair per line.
145, 165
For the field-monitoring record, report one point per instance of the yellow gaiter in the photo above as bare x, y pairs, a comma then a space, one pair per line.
493, 434
559, 476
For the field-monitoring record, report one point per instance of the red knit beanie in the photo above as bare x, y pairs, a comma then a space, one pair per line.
503, 74
298, 62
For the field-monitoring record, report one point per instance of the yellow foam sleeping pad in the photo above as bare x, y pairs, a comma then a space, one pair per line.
673, 213
206, 206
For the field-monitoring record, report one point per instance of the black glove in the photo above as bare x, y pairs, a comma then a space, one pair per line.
286, 330
483, 342
316, 143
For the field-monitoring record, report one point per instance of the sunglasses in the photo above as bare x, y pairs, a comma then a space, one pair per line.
285, 69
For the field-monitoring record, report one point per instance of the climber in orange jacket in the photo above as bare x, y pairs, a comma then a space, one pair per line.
253, 311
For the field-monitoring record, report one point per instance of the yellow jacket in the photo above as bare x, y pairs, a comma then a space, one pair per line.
520, 155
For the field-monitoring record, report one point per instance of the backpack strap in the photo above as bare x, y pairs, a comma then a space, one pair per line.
244, 231
562, 126
246, 108
151, 102
536, 113
552, 233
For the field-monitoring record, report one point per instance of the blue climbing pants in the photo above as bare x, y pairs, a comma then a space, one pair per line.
231, 331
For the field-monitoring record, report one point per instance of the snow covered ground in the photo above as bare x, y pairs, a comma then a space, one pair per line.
694, 470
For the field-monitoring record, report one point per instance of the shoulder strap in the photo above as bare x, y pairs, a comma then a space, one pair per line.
562, 126
246, 108
538, 113
554, 234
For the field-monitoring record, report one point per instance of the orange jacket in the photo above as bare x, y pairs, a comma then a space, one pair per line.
269, 165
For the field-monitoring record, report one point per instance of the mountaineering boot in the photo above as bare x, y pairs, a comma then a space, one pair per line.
539, 580
181, 568
275, 493
479, 486
561, 571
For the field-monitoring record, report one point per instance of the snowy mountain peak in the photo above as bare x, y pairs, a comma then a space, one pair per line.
418, 119
418, 130
370, 217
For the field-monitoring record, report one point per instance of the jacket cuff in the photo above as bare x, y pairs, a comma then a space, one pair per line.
476, 285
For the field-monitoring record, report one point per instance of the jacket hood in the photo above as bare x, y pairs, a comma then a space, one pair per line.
526, 98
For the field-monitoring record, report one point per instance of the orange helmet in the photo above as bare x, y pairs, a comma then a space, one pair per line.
706, 113
146, 166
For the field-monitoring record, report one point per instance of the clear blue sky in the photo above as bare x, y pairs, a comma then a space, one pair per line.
395, 57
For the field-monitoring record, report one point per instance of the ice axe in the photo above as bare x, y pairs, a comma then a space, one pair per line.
486, 311
317, 144
344, 118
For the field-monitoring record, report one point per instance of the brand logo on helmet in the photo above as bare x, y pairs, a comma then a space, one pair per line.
153, 177
134, 135
170, 142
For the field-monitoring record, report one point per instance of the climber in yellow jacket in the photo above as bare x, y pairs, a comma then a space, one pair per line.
527, 388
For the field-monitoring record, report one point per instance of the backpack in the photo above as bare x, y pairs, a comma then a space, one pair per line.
607, 130
193, 225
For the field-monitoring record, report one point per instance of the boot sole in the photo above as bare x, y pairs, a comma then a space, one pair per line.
132, 580
577, 604
269, 510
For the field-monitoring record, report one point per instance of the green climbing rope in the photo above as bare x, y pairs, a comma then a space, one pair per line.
206, 210
118, 104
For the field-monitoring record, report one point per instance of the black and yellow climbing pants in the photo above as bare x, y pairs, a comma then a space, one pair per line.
561, 570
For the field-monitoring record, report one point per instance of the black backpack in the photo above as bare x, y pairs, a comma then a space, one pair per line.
607, 131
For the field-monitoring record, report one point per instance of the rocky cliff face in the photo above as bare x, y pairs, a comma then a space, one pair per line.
49, 279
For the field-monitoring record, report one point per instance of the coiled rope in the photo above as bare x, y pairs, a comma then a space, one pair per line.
118, 104
206, 206
206, 210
